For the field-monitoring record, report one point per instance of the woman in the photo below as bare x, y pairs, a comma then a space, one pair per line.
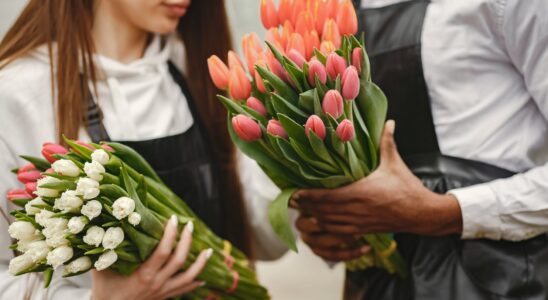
111, 70
467, 88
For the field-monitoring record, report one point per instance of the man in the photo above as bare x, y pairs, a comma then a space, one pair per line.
466, 188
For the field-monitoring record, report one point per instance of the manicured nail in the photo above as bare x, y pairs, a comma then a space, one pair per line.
209, 252
189, 226
173, 220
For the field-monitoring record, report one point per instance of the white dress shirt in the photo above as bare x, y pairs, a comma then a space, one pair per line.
140, 101
486, 66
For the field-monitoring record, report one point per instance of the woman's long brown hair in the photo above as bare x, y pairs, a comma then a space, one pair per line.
68, 23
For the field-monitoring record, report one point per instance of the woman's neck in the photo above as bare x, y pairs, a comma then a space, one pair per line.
115, 37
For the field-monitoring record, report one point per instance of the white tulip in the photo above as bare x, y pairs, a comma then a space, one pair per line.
24, 231
106, 260
66, 167
24, 245
100, 156
78, 265
55, 231
122, 207
69, 202
88, 188
42, 217
134, 218
29, 207
94, 170
20, 264
94, 236
38, 250
77, 224
58, 240
92, 209
59, 256
113, 237
45, 192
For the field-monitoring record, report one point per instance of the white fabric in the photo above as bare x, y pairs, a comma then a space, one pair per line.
140, 101
485, 64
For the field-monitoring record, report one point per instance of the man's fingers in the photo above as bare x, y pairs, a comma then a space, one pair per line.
341, 254
341, 229
163, 251
323, 195
179, 256
307, 225
320, 240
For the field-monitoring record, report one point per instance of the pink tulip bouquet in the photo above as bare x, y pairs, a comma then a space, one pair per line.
104, 207
306, 110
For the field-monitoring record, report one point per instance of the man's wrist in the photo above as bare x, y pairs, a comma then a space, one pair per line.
441, 215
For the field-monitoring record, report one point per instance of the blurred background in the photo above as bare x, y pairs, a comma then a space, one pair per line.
295, 276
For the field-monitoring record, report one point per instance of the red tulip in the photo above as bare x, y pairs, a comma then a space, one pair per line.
357, 58
315, 124
316, 68
331, 33
90, 147
18, 194
239, 85
258, 80
50, 171
327, 47
335, 65
305, 23
234, 60
269, 15
26, 168
296, 57
296, 42
49, 149
29, 176
275, 128
218, 71
345, 131
333, 103
256, 105
350, 83
107, 148
320, 14
347, 19
311, 42
247, 129
285, 10
30, 187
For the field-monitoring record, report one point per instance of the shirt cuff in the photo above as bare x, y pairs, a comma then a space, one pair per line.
480, 212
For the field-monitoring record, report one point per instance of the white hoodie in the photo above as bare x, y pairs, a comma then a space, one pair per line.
140, 101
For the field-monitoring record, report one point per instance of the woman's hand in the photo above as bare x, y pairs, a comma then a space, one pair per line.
158, 277
391, 199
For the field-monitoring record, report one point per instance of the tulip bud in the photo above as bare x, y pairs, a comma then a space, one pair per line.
327, 47
18, 194
273, 37
357, 58
275, 128
350, 83
320, 14
107, 148
305, 22
258, 80
218, 72
332, 8
347, 19
335, 65
298, 7
239, 85
345, 131
30, 187
311, 42
269, 15
247, 129
26, 168
275, 66
256, 105
296, 42
287, 31
296, 57
315, 124
90, 147
316, 68
285, 10
49, 149
331, 33
250, 53
66, 167
234, 60
29, 176
333, 104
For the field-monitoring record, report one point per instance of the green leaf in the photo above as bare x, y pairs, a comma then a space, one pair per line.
362, 135
144, 243
338, 83
48, 275
293, 129
282, 88
354, 163
60, 185
300, 166
40, 163
320, 149
232, 106
98, 250
285, 107
295, 74
142, 190
279, 218
20, 202
318, 110
112, 191
322, 58
255, 115
335, 181
311, 158
306, 101
80, 150
336, 143
125, 268
134, 160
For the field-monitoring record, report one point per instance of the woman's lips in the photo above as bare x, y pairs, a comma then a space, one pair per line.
177, 10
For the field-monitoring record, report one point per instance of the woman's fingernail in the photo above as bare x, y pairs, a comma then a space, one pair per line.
173, 220
209, 252
189, 226
293, 203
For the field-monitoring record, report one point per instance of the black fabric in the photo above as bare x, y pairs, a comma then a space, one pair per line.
183, 161
440, 267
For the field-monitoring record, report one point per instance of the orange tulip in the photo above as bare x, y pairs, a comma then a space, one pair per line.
252, 40
275, 66
296, 42
347, 19
285, 10
331, 33
274, 38
332, 8
250, 53
296, 57
311, 41
218, 71
258, 80
320, 14
305, 23
234, 60
298, 7
239, 85
327, 47
269, 15
287, 31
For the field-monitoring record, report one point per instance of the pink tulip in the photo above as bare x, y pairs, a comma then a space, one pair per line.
275, 66
320, 14
274, 37
296, 42
247, 129
357, 58
315, 124
347, 20
256, 105
18, 194
316, 68
333, 103
107, 148
286, 32
49, 149
296, 57
234, 60
239, 85
30, 187
345, 131
258, 80
275, 128
218, 71
285, 10
29, 176
327, 47
350, 83
311, 42
269, 15
90, 147
335, 65
50, 171
331, 33
26, 168
252, 51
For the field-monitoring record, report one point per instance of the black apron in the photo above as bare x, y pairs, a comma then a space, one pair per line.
183, 161
445, 267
